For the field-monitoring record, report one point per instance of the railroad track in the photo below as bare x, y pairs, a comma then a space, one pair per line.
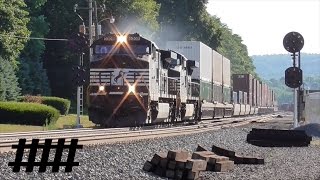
95, 136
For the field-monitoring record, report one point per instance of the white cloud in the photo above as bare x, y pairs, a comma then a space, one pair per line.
262, 24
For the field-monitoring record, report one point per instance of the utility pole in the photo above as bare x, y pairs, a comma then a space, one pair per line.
96, 20
80, 88
91, 9
90, 29
295, 99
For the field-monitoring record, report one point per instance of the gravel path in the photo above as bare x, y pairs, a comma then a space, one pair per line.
125, 160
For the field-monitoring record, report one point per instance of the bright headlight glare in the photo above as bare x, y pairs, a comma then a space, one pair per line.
121, 39
132, 89
101, 88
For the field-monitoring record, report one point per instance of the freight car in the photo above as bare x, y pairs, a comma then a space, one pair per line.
258, 97
133, 82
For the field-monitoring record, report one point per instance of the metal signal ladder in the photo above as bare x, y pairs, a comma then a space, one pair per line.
81, 100
81, 88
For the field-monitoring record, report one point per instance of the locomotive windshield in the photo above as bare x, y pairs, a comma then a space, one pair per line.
122, 61
114, 49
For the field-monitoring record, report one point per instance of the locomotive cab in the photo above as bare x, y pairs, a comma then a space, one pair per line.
119, 80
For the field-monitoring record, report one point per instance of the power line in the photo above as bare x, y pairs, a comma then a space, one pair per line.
33, 38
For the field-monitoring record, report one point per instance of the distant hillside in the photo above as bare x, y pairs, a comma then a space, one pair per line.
273, 66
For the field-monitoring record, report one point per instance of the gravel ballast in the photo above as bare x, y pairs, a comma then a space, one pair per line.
125, 160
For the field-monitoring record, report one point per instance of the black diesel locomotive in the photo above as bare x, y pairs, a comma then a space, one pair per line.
133, 82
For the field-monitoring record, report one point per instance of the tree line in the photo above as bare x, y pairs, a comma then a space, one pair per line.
33, 66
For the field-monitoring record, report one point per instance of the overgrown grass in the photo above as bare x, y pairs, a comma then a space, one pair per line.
68, 121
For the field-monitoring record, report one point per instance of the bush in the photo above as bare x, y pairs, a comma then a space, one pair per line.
63, 105
27, 113
31, 99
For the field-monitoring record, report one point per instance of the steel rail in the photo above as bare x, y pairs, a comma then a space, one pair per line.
112, 137
62, 133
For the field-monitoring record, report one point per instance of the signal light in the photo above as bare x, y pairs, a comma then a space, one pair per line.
78, 43
293, 77
79, 75
293, 42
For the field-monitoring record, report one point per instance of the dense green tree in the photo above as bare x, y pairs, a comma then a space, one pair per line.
13, 22
9, 89
231, 46
63, 22
13, 30
32, 77
187, 20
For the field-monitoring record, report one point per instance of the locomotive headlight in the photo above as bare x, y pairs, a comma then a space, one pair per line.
122, 39
132, 89
101, 88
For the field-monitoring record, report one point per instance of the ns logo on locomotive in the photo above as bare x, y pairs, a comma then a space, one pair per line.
133, 83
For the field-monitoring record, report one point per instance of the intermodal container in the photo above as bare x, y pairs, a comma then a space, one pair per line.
226, 94
264, 94
270, 97
197, 51
240, 97
217, 67
254, 92
235, 97
226, 72
245, 98
243, 82
217, 93
259, 93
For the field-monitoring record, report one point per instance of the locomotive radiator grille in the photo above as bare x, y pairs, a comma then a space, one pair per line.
117, 80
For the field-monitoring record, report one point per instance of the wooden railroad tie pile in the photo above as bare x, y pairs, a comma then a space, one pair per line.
278, 138
238, 159
178, 164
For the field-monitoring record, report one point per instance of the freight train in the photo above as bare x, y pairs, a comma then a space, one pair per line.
133, 83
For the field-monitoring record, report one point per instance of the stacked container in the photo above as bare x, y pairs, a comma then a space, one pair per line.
226, 79
264, 92
245, 98
217, 84
235, 97
197, 51
254, 92
243, 82
259, 93
240, 97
